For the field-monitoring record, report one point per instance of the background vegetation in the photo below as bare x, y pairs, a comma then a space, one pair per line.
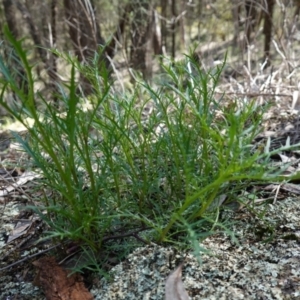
132, 35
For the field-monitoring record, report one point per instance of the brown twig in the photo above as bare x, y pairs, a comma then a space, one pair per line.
112, 237
29, 257
254, 94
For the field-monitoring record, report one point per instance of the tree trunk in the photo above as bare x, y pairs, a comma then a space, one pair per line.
53, 57
173, 28
268, 25
33, 31
15, 63
82, 29
141, 37
85, 35
10, 16
163, 4
157, 39
250, 20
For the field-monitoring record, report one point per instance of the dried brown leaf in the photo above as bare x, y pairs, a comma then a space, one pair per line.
56, 282
174, 286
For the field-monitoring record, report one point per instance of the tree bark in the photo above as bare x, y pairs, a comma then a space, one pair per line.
33, 31
157, 38
268, 26
173, 28
141, 37
85, 35
163, 4
53, 57
10, 16
16, 66
250, 19
83, 29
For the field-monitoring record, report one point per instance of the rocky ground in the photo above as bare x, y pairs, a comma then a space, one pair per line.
263, 263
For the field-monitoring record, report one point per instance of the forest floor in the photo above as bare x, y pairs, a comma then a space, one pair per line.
264, 264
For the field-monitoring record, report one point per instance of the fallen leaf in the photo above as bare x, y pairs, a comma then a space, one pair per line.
56, 282
174, 286
23, 179
20, 229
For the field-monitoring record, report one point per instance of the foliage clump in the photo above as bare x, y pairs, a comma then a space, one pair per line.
115, 170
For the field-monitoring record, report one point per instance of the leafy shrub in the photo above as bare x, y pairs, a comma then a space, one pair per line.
114, 170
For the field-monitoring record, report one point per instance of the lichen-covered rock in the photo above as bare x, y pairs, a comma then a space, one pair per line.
250, 270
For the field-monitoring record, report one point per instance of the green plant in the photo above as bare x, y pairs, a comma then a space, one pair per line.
114, 171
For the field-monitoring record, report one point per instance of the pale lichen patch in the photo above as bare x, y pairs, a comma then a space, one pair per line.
251, 270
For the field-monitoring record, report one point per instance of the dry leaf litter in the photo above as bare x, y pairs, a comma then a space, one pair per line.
250, 270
